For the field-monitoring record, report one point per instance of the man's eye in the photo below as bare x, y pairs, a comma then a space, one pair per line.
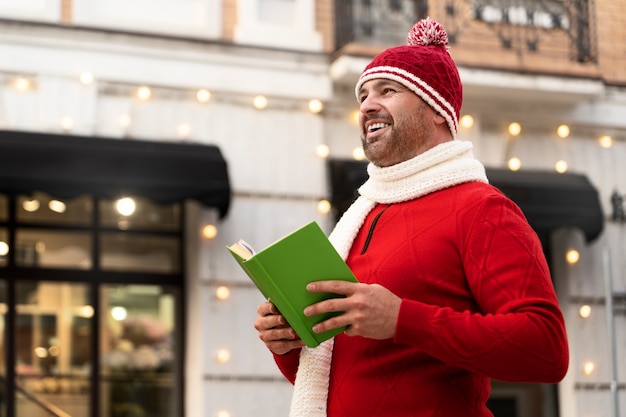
388, 91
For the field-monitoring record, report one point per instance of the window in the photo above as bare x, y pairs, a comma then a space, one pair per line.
90, 291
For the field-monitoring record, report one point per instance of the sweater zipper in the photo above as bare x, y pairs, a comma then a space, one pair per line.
370, 233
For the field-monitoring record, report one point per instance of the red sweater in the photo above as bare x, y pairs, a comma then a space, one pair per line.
478, 303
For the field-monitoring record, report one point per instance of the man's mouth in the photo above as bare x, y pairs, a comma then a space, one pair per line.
376, 126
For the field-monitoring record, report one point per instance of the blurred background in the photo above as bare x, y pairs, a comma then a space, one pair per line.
138, 138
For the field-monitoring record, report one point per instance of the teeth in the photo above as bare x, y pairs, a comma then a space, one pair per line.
377, 126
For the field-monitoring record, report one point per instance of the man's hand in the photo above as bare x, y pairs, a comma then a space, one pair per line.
274, 330
369, 310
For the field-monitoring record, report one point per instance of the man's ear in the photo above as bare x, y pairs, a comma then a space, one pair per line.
439, 119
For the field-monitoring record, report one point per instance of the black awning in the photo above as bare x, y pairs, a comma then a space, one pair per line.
66, 166
549, 200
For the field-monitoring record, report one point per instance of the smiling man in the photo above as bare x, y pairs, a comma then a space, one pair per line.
453, 286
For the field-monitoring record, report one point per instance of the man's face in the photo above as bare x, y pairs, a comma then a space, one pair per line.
396, 125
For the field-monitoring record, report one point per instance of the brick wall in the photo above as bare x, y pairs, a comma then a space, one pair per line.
611, 32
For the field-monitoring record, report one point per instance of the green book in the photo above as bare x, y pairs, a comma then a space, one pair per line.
282, 270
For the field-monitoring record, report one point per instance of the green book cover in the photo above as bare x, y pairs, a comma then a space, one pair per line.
282, 270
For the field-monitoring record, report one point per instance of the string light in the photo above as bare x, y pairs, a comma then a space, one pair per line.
260, 102
86, 78
515, 129
358, 153
605, 141
588, 368
514, 164
563, 131
144, 93
572, 256
467, 121
322, 151
585, 311
323, 207
222, 293
561, 166
203, 95
67, 123
315, 106
124, 120
184, 130
209, 231
22, 84
222, 356
354, 117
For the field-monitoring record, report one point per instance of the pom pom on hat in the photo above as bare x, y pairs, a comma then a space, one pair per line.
427, 32
424, 66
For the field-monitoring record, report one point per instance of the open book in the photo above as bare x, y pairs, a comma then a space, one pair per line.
282, 270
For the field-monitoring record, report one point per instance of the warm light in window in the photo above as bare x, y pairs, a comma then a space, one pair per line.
323, 207
467, 121
86, 77
119, 313
222, 413
222, 356
40, 247
315, 106
209, 231
144, 93
260, 102
322, 151
561, 166
125, 206
563, 131
605, 141
358, 154
585, 311
515, 129
41, 352
572, 256
222, 292
203, 95
31, 205
57, 206
86, 311
4, 248
514, 164
588, 368
54, 351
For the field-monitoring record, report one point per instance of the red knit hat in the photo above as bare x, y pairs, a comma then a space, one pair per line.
424, 66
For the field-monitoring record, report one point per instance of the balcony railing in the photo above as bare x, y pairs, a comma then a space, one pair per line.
527, 26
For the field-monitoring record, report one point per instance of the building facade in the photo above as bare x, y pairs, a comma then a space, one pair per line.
228, 119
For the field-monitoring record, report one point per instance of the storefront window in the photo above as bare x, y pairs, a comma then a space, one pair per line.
139, 253
138, 364
91, 292
52, 348
53, 249
43, 208
136, 213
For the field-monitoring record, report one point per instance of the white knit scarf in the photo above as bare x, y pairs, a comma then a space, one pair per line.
443, 166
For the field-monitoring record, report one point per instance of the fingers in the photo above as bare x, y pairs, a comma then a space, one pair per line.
370, 311
274, 330
266, 308
337, 287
